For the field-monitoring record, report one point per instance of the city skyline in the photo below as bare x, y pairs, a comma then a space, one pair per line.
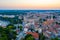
30, 4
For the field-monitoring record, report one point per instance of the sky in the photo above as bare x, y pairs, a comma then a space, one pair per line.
29, 4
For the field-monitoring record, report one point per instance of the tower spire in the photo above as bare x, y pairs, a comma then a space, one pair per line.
51, 17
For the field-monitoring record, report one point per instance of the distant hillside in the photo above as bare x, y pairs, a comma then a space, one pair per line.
15, 12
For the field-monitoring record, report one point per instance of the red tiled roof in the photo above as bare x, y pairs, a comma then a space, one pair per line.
34, 34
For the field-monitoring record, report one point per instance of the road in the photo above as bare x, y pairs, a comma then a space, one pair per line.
20, 35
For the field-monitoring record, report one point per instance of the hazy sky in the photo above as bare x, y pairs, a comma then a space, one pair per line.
29, 4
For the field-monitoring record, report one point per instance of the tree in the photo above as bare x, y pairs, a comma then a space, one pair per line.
56, 38
7, 34
29, 37
10, 26
20, 21
4, 34
3, 37
41, 36
54, 16
20, 28
13, 34
41, 20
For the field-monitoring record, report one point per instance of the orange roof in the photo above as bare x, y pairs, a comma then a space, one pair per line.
48, 22
34, 34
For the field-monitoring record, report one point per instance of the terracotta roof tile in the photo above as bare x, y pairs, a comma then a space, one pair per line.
34, 34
